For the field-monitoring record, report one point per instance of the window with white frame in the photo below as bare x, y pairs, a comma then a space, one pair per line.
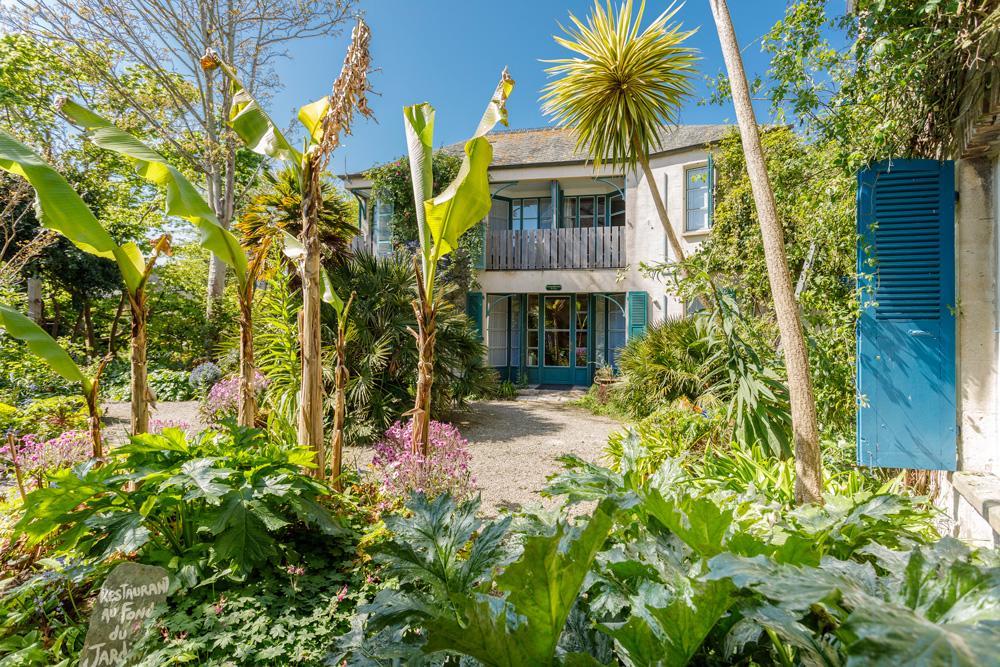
382, 229
696, 189
503, 330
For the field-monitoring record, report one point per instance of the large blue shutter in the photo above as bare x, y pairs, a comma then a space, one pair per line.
474, 309
636, 314
906, 329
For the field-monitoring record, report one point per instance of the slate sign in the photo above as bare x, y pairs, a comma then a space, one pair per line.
128, 597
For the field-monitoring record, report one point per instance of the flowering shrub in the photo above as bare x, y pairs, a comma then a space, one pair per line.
444, 470
222, 398
48, 417
158, 425
38, 457
204, 376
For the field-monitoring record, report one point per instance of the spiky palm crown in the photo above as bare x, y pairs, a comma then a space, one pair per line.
624, 85
279, 206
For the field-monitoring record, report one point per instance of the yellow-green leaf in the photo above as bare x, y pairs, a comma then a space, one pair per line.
182, 198
254, 127
467, 200
311, 115
61, 208
44, 346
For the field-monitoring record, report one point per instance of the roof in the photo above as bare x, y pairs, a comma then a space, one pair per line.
557, 145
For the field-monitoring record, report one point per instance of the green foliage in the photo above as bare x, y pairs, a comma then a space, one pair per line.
219, 500
670, 432
392, 183
48, 417
696, 563
276, 338
44, 615
168, 385
382, 354
287, 615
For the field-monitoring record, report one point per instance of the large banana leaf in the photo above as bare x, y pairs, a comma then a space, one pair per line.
183, 200
61, 208
254, 127
43, 345
419, 123
467, 199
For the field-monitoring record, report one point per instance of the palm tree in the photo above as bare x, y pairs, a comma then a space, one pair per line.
622, 89
808, 465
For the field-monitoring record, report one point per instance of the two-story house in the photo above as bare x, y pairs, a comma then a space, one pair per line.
561, 285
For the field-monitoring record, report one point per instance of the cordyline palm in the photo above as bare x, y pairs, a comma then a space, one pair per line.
625, 85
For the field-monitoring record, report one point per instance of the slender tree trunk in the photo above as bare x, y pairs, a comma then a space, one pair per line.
96, 438
88, 327
661, 209
310, 428
339, 413
35, 300
56, 317
247, 410
139, 384
808, 470
426, 333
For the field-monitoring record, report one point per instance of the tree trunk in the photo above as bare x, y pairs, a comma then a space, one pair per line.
808, 471
56, 317
339, 414
661, 209
139, 385
247, 412
89, 327
310, 428
426, 314
35, 300
113, 334
96, 438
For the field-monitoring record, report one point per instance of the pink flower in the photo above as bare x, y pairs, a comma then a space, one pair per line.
445, 469
38, 458
342, 594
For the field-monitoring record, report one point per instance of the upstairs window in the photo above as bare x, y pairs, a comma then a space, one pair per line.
697, 216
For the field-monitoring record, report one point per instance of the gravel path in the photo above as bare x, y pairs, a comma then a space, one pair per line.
514, 443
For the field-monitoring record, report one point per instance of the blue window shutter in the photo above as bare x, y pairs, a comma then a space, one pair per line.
906, 342
474, 309
637, 313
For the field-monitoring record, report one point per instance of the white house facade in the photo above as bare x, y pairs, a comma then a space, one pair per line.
561, 285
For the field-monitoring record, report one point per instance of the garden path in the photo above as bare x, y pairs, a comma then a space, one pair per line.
514, 443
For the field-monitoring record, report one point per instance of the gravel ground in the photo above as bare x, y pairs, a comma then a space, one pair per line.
514, 443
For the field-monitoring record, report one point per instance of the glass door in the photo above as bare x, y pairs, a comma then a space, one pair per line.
558, 340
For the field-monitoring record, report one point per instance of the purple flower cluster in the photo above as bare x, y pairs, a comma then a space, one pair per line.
222, 398
38, 457
445, 469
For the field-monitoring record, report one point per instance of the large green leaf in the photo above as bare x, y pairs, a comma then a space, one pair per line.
418, 121
668, 627
182, 198
61, 208
255, 128
467, 200
544, 583
44, 346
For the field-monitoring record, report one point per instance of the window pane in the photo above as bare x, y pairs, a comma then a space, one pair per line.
600, 212
581, 349
529, 214
616, 313
557, 348
545, 213
499, 215
532, 311
697, 220
556, 313
600, 332
617, 211
515, 215
581, 312
569, 212
515, 331
697, 178
586, 211
616, 341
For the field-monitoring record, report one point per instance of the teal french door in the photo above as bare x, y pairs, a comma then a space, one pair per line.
563, 350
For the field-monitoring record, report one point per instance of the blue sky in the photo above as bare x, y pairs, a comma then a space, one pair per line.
450, 53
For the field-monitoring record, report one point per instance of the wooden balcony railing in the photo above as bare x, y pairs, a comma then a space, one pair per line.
569, 248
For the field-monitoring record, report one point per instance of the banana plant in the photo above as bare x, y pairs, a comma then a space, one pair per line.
61, 209
441, 221
184, 201
325, 120
47, 349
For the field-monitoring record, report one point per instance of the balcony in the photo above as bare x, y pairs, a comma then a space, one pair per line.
565, 248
